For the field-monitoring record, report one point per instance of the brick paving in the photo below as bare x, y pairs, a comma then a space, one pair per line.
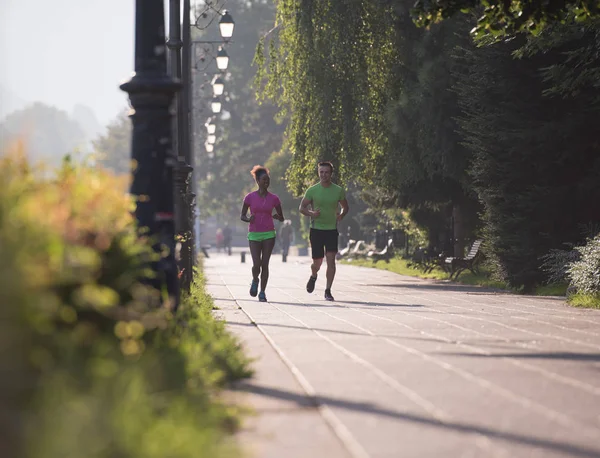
403, 367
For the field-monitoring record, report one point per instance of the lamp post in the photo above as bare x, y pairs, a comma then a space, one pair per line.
216, 105
151, 91
226, 26
222, 59
218, 86
183, 169
188, 249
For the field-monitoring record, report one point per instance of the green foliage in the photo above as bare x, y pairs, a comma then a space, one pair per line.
89, 367
461, 134
47, 132
500, 18
363, 87
322, 72
535, 156
585, 272
400, 266
578, 72
113, 149
556, 264
555, 289
585, 300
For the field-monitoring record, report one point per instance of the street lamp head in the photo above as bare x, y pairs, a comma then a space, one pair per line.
226, 25
218, 85
215, 105
222, 59
211, 127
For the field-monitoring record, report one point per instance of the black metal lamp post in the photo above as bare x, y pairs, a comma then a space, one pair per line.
151, 92
183, 169
188, 245
185, 122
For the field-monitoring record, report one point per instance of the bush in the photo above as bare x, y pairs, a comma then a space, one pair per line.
88, 367
585, 273
556, 264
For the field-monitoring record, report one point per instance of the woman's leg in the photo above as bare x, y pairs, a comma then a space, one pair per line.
255, 251
267, 249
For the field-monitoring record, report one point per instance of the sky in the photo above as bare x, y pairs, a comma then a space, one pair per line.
68, 52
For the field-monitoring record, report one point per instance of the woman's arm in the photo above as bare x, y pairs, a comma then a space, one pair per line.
279, 214
244, 216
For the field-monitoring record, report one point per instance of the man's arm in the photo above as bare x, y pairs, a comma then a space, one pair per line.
303, 209
345, 209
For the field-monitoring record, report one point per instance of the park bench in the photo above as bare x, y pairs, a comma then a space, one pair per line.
355, 249
455, 265
346, 251
385, 254
424, 259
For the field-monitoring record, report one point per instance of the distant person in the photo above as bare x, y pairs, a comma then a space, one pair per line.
219, 239
325, 200
286, 234
227, 236
261, 231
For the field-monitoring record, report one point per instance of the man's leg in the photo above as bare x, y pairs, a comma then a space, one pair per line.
330, 274
331, 247
315, 266
317, 247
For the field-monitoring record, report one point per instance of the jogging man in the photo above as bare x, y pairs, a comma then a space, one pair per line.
325, 200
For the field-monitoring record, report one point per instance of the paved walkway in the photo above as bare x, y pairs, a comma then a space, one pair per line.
402, 367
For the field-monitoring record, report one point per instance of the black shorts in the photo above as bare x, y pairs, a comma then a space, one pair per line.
323, 240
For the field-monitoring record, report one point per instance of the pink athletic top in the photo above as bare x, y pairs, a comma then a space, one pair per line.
262, 209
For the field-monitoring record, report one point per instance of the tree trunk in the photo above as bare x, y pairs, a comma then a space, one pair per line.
458, 231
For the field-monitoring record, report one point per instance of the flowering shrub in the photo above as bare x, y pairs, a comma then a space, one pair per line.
96, 368
585, 272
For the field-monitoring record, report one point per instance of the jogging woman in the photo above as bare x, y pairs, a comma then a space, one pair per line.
261, 232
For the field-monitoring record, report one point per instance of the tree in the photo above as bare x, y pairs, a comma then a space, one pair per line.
508, 17
47, 132
577, 73
364, 87
113, 149
247, 133
536, 155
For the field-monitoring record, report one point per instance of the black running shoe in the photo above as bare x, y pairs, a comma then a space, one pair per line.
328, 296
310, 286
254, 288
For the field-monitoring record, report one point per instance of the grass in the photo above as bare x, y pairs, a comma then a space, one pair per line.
400, 266
552, 290
582, 300
484, 278
163, 402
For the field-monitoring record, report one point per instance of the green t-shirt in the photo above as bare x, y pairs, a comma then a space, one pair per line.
326, 200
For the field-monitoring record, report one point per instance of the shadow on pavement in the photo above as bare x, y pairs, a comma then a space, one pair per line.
336, 331
310, 401
566, 356
444, 287
334, 304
